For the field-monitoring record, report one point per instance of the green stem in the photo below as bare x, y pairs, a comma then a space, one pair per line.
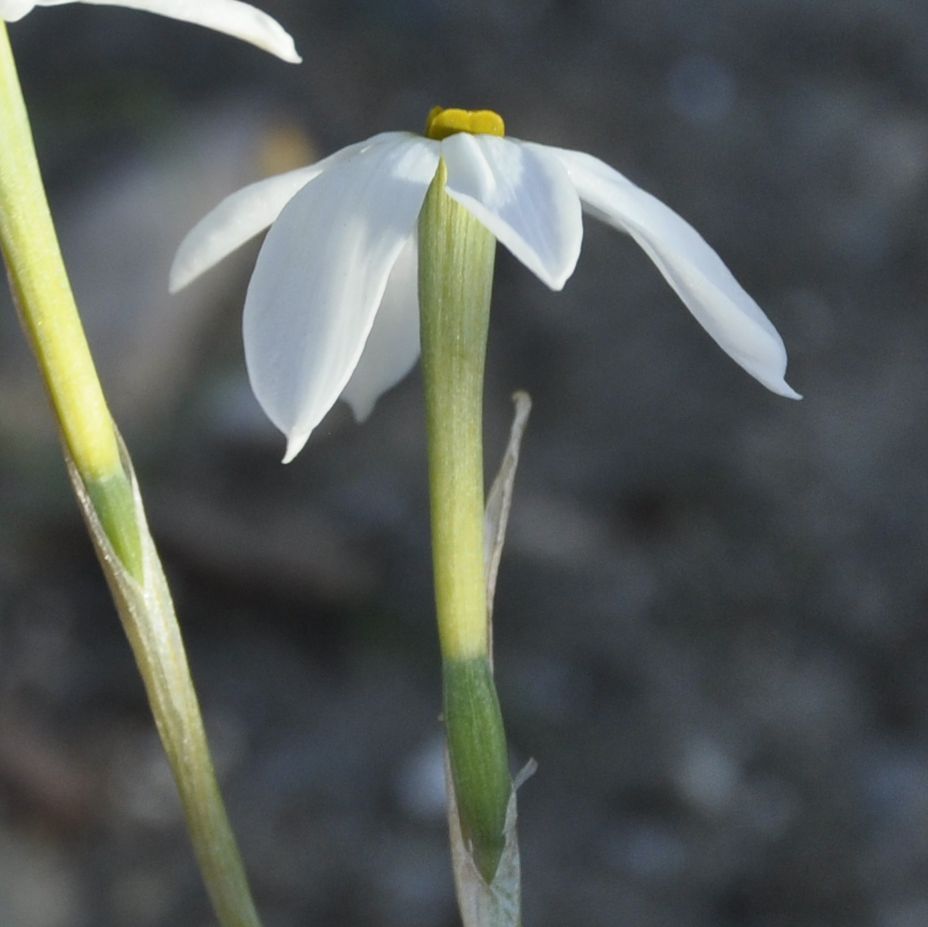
478, 758
456, 255
100, 470
42, 292
148, 618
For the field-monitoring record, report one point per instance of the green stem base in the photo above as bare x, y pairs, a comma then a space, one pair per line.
115, 507
478, 758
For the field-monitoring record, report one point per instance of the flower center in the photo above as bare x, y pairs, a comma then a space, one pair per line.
444, 122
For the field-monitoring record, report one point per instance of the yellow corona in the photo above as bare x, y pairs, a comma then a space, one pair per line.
444, 122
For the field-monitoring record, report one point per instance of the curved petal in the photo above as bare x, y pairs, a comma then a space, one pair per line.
523, 195
241, 20
688, 264
321, 275
12, 10
246, 213
240, 216
393, 344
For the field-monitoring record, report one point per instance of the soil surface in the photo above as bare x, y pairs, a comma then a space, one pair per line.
712, 615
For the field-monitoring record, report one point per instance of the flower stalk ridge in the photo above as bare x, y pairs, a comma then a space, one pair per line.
232, 17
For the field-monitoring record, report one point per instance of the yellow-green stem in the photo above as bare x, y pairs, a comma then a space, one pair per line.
101, 474
43, 296
456, 256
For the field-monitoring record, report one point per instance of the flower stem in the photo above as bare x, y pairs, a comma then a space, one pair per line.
456, 256
148, 618
49, 315
101, 473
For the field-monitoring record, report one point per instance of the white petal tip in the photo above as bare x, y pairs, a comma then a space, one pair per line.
290, 55
554, 282
295, 443
273, 38
557, 283
360, 410
176, 282
777, 385
180, 275
238, 19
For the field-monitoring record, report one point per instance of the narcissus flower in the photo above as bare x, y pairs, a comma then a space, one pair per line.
331, 308
229, 16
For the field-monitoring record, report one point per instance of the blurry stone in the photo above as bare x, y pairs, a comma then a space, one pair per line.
37, 884
648, 850
141, 787
39, 772
420, 782
895, 786
911, 913
414, 882
701, 89
707, 775
143, 897
40, 626
553, 689
554, 528
266, 547
769, 804
892, 160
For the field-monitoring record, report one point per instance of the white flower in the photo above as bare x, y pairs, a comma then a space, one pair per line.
331, 308
229, 16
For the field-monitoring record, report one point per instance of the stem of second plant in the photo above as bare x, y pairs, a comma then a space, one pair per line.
105, 489
43, 296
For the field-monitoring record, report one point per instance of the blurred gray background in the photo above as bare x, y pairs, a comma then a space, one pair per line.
712, 618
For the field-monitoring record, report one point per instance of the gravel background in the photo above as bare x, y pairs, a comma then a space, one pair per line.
712, 620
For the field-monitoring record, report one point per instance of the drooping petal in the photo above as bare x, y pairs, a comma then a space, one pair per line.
247, 212
239, 217
241, 20
12, 10
393, 344
688, 264
321, 275
523, 195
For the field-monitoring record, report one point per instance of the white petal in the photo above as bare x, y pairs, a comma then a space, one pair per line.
523, 195
232, 17
688, 264
246, 213
12, 10
393, 344
236, 219
321, 275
